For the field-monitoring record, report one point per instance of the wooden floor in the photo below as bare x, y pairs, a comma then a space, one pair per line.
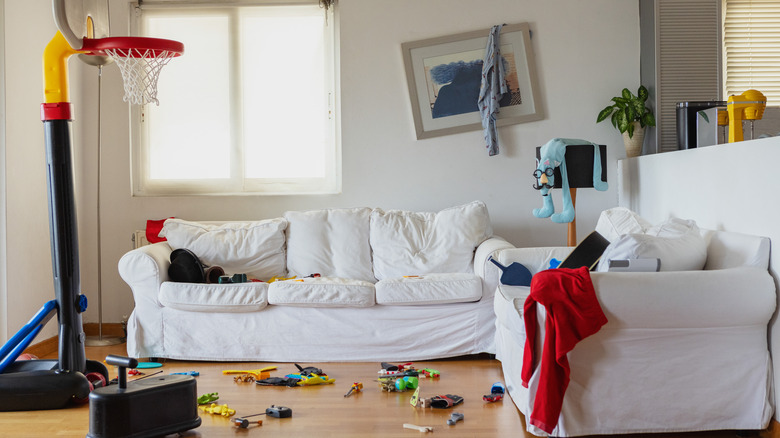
323, 411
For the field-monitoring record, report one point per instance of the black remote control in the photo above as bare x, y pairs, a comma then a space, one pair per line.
278, 411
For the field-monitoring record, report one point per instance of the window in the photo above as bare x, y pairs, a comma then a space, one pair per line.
250, 106
751, 47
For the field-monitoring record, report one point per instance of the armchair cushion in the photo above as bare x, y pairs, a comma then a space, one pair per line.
222, 298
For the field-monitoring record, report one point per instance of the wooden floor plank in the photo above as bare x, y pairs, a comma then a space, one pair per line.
323, 411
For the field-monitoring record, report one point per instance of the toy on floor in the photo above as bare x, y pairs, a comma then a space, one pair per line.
356, 387
454, 418
262, 373
208, 398
496, 393
216, 409
430, 373
311, 380
243, 423
244, 378
279, 411
446, 401
143, 407
418, 428
189, 373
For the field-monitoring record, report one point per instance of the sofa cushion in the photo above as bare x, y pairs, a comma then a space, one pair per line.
429, 289
322, 292
618, 221
677, 243
253, 248
228, 298
330, 242
410, 243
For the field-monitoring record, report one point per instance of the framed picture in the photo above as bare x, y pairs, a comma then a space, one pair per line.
444, 76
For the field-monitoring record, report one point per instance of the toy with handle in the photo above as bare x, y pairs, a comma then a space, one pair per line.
513, 275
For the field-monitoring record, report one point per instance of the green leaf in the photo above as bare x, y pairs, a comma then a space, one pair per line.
630, 130
606, 112
627, 94
622, 122
619, 102
642, 93
615, 119
639, 109
648, 119
631, 114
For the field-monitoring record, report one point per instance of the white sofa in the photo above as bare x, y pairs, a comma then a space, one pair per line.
682, 351
393, 286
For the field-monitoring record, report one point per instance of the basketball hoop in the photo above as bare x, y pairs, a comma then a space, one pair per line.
140, 61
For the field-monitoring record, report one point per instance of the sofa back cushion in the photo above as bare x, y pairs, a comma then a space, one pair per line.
330, 242
412, 243
253, 248
730, 250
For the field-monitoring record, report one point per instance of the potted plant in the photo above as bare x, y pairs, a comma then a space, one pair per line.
629, 114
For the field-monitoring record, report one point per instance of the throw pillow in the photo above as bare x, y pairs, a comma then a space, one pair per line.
618, 221
677, 243
417, 243
253, 248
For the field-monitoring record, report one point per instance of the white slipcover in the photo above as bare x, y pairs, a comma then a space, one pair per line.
682, 351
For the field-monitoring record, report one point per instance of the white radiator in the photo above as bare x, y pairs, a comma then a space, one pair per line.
139, 238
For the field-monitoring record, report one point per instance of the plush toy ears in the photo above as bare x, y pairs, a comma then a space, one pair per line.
598, 184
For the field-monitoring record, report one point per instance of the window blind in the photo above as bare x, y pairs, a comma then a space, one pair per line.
751, 47
688, 61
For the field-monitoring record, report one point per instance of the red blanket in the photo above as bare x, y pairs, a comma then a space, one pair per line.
573, 313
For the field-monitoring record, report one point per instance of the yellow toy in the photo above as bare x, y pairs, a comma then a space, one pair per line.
749, 105
216, 409
262, 373
315, 379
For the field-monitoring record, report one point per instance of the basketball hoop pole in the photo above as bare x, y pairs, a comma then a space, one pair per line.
56, 114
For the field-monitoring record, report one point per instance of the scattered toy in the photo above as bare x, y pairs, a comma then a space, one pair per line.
148, 365
243, 423
279, 381
189, 373
134, 372
312, 380
216, 409
308, 371
208, 398
278, 411
425, 402
446, 401
415, 397
356, 387
430, 373
420, 428
454, 418
244, 378
262, 373
496, 393
405, 383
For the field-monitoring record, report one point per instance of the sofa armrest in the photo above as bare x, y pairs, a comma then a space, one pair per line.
731, 297
484, 268
535, 259
146, 267
734, 297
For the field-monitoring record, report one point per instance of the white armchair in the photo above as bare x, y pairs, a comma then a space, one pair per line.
682, 351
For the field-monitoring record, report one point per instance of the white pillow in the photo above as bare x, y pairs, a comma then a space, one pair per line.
677, 242
409, 243
618, 221
329, 242
253, 248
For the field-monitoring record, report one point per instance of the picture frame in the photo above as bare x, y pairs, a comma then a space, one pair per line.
442, 74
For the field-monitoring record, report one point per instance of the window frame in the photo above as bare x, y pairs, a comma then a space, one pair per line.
237, 183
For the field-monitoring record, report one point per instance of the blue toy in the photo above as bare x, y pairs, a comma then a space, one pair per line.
552, 156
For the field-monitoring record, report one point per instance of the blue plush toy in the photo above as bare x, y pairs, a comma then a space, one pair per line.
553, 155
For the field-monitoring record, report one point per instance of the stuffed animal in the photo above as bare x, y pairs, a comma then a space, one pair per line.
553, 155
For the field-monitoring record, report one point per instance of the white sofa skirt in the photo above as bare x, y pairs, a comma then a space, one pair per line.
684, 351
316, 334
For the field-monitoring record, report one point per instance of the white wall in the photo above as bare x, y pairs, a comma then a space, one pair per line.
730, 187
580, 63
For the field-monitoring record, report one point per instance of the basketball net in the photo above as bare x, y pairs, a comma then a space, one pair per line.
140, 71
